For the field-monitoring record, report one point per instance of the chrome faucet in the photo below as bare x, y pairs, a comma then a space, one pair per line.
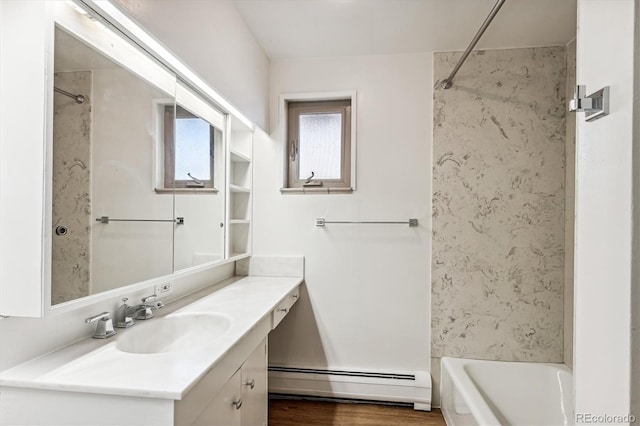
105, 325
126, 314
124, 318
144, 310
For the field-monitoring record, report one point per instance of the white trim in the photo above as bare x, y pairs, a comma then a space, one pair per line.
417, 391
317, 96
158, 105
113, 46
321, 190
227, 185
187, 99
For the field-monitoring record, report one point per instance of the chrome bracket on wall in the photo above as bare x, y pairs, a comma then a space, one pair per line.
595, 106
106, 220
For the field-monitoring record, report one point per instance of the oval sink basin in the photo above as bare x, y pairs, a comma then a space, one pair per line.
172, 333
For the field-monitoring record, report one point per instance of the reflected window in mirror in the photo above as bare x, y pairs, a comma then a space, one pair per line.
188, 149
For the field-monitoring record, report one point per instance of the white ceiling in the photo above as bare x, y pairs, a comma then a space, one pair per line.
309, 28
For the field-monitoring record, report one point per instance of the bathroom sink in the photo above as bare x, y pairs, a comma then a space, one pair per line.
172, 333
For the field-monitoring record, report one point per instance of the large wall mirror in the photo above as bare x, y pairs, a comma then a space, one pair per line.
138, 169
198, 162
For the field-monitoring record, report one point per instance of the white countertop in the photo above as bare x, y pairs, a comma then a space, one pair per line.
97, 366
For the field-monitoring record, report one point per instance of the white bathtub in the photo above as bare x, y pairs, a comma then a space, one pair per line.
477, 392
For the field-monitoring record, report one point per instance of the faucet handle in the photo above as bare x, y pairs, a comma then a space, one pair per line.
103, 315
148, 304
149, 298
105, 325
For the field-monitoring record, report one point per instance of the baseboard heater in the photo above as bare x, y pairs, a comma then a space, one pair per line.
413, 388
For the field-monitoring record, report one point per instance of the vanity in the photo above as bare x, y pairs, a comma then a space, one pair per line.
203, 361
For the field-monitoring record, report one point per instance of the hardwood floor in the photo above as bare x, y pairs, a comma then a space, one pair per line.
312, 413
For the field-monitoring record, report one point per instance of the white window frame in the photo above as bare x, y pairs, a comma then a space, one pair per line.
316, 96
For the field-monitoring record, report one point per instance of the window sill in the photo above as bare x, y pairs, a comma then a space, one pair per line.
186, 190
316, 190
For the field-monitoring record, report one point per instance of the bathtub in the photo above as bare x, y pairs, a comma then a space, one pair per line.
477, 392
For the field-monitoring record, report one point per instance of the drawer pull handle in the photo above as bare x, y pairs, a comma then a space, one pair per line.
251, 384
283, 310
295, 296
237, 403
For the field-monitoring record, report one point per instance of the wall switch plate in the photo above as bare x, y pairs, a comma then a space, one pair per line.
164, 288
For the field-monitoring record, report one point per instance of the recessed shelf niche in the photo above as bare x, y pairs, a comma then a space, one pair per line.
240, 184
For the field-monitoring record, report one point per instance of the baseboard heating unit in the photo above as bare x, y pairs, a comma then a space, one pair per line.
413, 388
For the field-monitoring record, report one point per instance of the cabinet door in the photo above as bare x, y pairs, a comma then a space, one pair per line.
254, 387
224, 409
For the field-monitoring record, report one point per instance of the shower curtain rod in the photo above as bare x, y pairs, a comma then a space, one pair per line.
78, 98
447, 83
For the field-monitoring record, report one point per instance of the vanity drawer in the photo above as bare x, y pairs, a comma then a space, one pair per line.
284, 306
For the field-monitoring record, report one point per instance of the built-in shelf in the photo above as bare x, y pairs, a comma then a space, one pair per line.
237, 188
237, 157
239, 221
240, 184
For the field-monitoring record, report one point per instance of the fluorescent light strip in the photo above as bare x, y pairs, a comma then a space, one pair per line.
110, 12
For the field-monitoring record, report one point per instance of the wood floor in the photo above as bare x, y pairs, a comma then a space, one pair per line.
312, 413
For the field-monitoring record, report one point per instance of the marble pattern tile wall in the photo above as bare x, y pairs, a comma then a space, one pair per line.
71, 253
498, 206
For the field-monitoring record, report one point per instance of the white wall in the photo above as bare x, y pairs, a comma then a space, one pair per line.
213, 39
603, 261
635, 292
368, 301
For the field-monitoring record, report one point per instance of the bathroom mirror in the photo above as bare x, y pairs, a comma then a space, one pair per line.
99, 210
110, 227
194, 151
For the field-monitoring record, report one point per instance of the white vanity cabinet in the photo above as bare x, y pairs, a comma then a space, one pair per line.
241, 401
255, 395
225, 408
201, 380
284, 306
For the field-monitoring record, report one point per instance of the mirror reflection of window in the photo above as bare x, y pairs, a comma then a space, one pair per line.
189, 150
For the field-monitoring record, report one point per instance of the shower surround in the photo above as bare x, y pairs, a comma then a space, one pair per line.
71, 253
499, 205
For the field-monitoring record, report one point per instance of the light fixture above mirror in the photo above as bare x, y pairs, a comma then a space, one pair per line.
102, 222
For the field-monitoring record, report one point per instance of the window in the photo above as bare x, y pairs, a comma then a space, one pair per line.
188, 149
319, 144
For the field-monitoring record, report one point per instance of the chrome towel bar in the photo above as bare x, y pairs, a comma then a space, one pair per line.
412, 222
107, 219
